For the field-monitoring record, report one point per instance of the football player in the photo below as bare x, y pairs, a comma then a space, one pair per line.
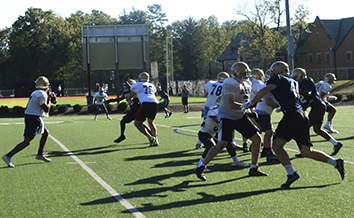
323, 88
209, 130
294, 123
145, 92
38, 106
134, 105
100, 98
165, 101
310, 98
235, 92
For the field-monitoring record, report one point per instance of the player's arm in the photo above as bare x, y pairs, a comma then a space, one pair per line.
323, 95
234, 105
258, 96
46, 106
270, 102
132, 95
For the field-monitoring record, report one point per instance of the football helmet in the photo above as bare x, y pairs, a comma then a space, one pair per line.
42, 83
267, 75
279, 67
258, 74
298, 74
222, 76
330, 78
240, 70
217, 101
144, 77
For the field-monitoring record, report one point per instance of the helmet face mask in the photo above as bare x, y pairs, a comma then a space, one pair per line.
258, 74
298, 74
280, 67
222, 76
240, 71
42, 83
144, 77
330, 78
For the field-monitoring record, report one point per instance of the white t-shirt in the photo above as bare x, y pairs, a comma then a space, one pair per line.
37, 98
262, 107
210, 126
241, 94
100, 97
323, 86
214, 89
256, 86
145, 91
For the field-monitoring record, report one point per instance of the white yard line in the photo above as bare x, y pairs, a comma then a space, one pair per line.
110, 190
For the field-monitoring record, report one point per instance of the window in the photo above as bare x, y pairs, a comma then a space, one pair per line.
318, 56
310, 58
317, 37
320, 74
327, 57
311, 74
351, 74
349, 56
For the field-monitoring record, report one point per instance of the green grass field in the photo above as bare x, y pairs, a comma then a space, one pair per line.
91, 176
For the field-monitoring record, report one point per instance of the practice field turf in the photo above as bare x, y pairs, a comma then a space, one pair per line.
91, 176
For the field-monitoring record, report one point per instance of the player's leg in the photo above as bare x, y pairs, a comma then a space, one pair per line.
42, 143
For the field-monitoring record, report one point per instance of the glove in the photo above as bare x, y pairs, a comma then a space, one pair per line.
246, 105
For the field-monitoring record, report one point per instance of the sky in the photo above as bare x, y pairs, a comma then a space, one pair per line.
183, 9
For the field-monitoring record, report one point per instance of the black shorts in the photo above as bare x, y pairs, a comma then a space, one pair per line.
146, 110
165, 102
243, 126
130, 116
329, 106
263, 121
294, 125
206, 139
33, 125
185, 100
317, 112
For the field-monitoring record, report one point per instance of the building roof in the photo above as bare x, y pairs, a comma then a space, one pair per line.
337, 29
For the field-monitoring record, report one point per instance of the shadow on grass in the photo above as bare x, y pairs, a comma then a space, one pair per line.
204, 199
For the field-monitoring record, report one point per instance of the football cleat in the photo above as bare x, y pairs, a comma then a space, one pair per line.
245, 147
336, 148
330, 129
199, 171
198, 146
8, 161
241, 164
299, 155
340, 168
43, 158
121, 138
291, 178
256, 172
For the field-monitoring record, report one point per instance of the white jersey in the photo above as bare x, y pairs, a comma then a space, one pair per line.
323, 86
262, 107
241, 94
100, 97
256, 86
213, 88
210, 124
37, 98
145, 91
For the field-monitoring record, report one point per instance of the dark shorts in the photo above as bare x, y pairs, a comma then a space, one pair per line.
243, 126
294, 125
206, 139
317, 112
329, 106
146, 110
33, 125
165, 102
264, 122
100, 106
130, 116
185, 100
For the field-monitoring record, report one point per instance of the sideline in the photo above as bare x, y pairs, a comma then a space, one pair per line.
109, 189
